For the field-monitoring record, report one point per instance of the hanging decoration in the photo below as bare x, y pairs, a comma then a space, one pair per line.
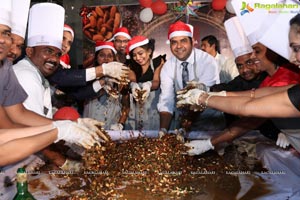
187, 8
100, 22
146, 15
218, 4
229, 7
159, 7
145, 3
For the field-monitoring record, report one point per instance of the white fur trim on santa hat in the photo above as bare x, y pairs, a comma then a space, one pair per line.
122, 34
138, 44
70, 30
105, 47
180, 33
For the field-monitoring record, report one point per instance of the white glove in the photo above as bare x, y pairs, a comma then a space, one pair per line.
111, 91
115, 69
221, 94
146, 86
74, 133
135, 88
116, 127
195, 84
190, 98
94, 126
198, 147
71, 165
282, 141
180, 134
162, 132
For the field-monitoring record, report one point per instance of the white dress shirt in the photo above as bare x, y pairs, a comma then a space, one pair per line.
202, 67
39, 97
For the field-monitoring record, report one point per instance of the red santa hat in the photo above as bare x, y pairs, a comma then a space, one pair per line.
122, 31
65, 61
135, 42
179, 29
69, 28
105, 45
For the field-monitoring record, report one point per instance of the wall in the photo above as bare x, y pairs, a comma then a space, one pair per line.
207, 22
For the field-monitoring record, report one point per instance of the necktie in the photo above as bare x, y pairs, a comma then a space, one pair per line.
185, 73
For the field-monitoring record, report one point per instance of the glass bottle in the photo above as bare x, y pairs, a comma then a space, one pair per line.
22, 186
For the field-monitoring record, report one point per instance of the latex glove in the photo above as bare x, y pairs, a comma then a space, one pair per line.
221, 94
73, 132
198, 147
195, 84
116, 127
282, 141
95, 126
189, 98
115, 69
146, 86
192, 85
162, 132
111, 81
135, 88
180, 134
111, 91
71, 165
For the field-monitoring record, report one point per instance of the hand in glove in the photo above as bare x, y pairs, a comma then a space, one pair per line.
180, 134
146, 86
116, 127
135, 89
93, 125
73, 132
71, 165
111, 91
189, 98
195, 84
192, 85
198, 147
116, 70
282, 141
162, 132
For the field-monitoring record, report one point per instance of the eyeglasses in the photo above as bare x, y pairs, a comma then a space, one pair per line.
121, 41
248, 63
104, 56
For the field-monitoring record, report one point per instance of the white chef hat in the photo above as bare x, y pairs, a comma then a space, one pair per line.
237, 38
252, 15
5, 12
46, 24
19, 17
275, 30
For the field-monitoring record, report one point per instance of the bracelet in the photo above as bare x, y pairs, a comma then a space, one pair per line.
201, 105
252, 93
